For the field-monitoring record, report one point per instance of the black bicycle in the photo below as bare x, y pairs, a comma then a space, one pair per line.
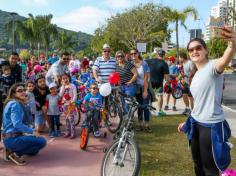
123, 157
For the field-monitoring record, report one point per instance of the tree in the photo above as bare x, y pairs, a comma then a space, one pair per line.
144, 23
177, 17
216, 47
65, 41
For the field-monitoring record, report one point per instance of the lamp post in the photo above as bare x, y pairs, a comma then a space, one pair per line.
13, 29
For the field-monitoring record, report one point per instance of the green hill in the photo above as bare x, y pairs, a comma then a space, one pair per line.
81, 38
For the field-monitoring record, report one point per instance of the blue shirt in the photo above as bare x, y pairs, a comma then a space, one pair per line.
96, 100
84, 77
173, 70
13, 117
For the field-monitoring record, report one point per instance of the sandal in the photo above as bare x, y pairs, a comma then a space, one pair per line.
148, 129
17, 159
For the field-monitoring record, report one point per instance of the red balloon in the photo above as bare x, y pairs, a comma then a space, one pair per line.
114, 78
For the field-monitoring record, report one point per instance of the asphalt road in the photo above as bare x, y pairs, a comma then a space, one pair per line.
229, 95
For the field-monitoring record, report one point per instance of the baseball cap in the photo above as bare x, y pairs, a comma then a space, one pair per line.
106, 46
51, 85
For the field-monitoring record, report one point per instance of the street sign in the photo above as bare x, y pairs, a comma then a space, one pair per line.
142, 47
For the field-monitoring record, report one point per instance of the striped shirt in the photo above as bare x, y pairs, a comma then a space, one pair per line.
125, 73
104, 68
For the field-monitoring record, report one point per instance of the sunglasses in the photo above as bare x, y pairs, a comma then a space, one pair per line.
133, 53
66, 59
94, 88
119, 56
20, 90
106, 51
197, 48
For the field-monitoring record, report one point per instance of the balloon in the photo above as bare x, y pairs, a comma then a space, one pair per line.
105, 89
114, 78
37, 68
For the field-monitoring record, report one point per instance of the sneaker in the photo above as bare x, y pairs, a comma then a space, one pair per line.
73, 136
58, 133
67, 135
17, 159
148, 129
161, 113
186, 111
6, 154
174, 108
52, 134
97, 134
139, 128
166, 107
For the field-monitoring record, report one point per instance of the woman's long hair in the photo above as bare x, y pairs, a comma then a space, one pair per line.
12, 92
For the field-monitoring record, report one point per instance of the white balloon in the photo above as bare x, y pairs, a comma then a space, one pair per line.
105, 89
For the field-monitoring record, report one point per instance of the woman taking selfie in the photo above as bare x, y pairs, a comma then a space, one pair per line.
18, 138
207, 129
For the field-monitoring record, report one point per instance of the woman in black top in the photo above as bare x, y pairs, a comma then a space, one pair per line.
128, 75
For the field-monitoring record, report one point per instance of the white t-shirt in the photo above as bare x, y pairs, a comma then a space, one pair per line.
207, 89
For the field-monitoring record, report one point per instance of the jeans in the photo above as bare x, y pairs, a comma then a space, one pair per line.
55, 121
141, 111
94, 115
25, 145
130, 91
204, 164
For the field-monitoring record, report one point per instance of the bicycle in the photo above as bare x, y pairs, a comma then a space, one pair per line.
87, 128
72, 107
175, 88
123, 157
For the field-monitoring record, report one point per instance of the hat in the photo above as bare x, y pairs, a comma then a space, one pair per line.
106, 46
171, 58
39, 76
51, 85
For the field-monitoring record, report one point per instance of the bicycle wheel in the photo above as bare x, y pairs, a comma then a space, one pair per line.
130, 165
77, 117
114, 117
177, 93
84, 137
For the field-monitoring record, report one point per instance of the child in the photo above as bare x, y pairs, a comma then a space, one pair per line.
173, 70
69, 94
52, 104
90, 80
30, 94
94, 100
83, 76
6, 79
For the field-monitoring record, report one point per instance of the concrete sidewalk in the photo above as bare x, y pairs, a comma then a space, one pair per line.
230, 114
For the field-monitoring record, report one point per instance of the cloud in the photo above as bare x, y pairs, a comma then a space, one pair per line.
85, 19
35, 2
117, 4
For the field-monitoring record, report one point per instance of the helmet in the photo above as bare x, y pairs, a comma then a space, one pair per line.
171, 58
74, 70
161, 52
37, 68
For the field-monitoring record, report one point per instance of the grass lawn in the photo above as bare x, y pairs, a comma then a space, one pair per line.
165, 151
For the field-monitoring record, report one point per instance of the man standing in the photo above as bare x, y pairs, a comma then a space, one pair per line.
104, 65
158, 71
58, 69
16, 71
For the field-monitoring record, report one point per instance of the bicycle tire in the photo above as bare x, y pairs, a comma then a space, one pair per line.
177, 93
84, 137
119, 170
77, 120
114, 128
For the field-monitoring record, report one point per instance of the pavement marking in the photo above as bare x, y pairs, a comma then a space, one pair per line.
228, 108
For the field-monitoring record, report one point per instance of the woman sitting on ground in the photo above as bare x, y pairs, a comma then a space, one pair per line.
18, 138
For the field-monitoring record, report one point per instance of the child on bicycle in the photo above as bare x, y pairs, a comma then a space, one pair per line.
52, 104
68, 93
94, 101
173, 70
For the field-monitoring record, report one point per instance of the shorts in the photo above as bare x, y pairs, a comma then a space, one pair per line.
159, 90
186, 90
39, 118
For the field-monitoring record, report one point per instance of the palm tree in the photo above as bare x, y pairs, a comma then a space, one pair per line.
176, 16
65, 41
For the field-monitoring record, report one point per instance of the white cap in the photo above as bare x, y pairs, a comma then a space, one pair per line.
51, 85
105, 46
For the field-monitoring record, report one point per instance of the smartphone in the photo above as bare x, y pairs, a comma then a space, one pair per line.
217, 32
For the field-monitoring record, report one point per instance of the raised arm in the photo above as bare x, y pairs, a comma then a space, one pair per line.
229, 35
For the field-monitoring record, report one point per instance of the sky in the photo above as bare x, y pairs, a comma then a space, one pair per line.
87, 15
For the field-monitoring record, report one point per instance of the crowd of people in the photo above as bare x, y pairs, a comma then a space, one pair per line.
52, 84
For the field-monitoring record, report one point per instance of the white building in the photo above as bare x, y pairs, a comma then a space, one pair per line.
218, 11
